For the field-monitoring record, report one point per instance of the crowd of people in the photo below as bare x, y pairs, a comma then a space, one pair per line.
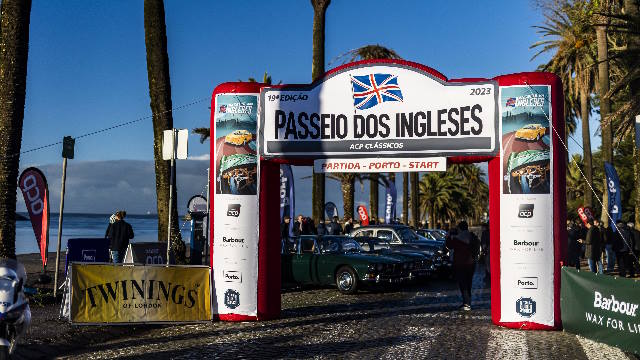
303, 225
600, 244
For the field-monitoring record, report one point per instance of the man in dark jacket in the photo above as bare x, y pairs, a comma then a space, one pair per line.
574, 246
464, 260
593, 251
297, 226
120, 233
348, 225
608, 238
334, 228
622, 246
322, 228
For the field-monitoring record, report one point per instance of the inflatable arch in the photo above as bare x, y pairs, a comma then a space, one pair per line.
392, 108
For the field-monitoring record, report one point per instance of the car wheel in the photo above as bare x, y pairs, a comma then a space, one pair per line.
346, 280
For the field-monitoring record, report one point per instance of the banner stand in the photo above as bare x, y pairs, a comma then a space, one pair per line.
121, 294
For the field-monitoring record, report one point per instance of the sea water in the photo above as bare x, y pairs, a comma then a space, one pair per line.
145, 229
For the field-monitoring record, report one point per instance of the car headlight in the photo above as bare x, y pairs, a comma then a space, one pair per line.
372, 267
405, 265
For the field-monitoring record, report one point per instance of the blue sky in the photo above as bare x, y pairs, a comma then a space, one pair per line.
87, 60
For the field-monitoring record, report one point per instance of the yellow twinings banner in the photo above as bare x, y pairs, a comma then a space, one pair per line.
130, 294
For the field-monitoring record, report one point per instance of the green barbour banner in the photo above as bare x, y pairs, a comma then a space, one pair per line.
601, 307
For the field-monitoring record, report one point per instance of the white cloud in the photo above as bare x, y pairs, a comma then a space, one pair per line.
102, 186
199, 157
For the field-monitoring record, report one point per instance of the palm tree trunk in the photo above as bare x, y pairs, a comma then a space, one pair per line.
160, 95
632, 8
586, 144
347, 196
373, 196
432, 218
415, 201
636, 180
605, 104
405, 197
317, 69
14, 50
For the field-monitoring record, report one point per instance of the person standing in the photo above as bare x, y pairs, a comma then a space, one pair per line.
593, 251
621, 246
608, 237
284, 227
464, 260
574, 245
334, 228
120, 233
297, 226
322, 228
348, 225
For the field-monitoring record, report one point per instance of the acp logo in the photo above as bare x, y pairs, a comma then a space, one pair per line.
525, 211
526, 307
232, 299
233, 210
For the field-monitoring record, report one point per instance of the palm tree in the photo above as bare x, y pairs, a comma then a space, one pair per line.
370, 52
405, 198
317, 69
14, 49
374, 197
160, 93
474, 191
602, 22
347, 185
627, 87
568, 32
439, 196
415, 200
367, 52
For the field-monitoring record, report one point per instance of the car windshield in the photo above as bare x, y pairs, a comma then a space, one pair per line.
372, 244
530, 127
407, 235
339, 244
436, 235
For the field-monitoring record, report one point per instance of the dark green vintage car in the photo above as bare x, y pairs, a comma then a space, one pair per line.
340, 261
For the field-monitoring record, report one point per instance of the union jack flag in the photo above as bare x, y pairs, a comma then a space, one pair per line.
511, 102
373, 89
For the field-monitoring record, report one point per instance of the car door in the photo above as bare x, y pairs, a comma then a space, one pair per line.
303, 263
288, 253
328, 261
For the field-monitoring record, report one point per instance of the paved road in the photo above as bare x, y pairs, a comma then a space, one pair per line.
415, 322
